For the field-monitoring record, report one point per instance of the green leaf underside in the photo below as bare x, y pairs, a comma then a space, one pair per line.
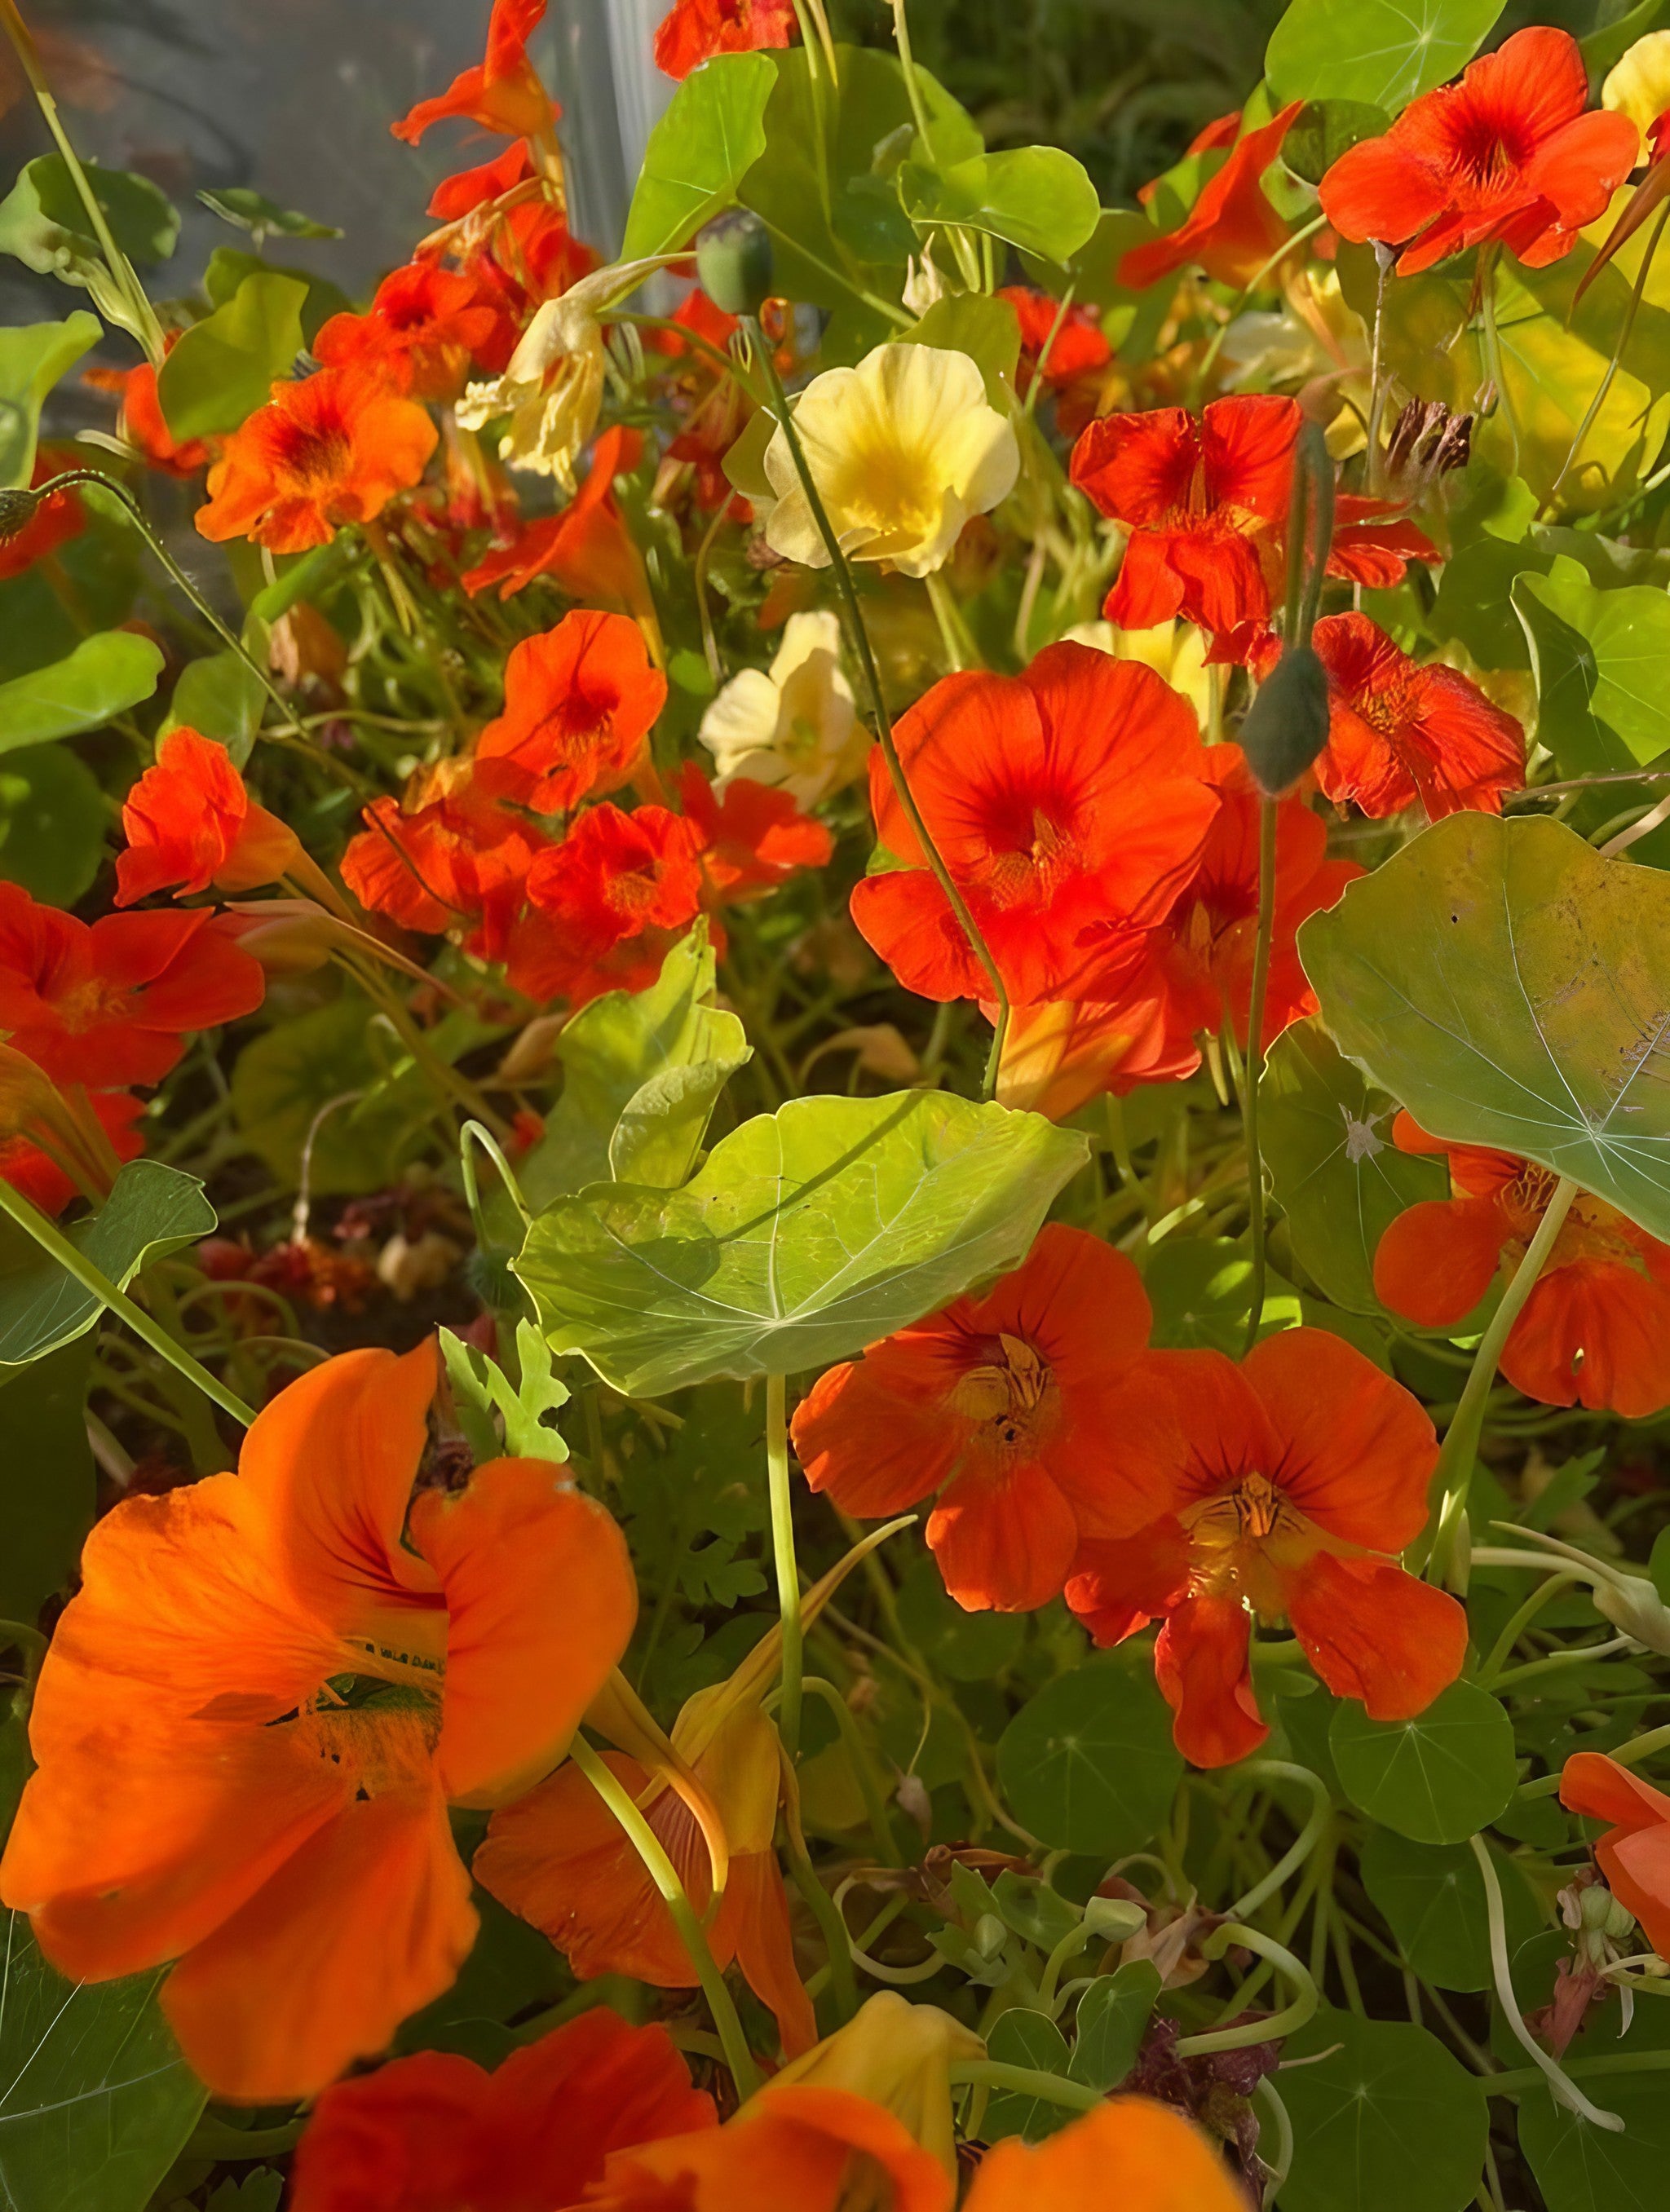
1512, 989
710, 137
807, 1235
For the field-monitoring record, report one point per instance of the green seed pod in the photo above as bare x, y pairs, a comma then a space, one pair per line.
733, 259
1287, 723
17, 512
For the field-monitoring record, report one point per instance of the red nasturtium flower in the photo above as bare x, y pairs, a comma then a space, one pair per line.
190, 822
1595, 1330
56, 520
1507, 154
1057, 343
1232, 231
1400, 730
207, 1788
331, 449
753, 838
112, 1002
502, 92
450, 854
605, 905
1302, 1471
1070, 796
1032, 1410
1205, 500
560, 1858
458, 196
694, 30
585, 549
419, 335
580, 704
1634, 1854
436, 2131
140, 419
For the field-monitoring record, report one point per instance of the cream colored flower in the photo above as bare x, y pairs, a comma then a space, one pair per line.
1175, 650
1639, 86
552, 390
794, 724
903, 449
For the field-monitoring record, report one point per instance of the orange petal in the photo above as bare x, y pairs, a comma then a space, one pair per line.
366, 1923
1003, 1538
1600, 1789
1636, 1863
540, 1603
755, 1922
1161, 2163
1200, 1664
1373, 1631
1594, 1332
1358, 1450
1439, 1258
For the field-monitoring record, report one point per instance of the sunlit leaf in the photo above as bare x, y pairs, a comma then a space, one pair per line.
32, 357
1037, 197
44, 223
222, 368
1380, 51
987, 330
105, 675
712, 133
219, 696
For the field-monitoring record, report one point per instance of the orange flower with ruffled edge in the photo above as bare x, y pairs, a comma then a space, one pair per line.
754, 837
693, 31
1634, 1854
436, 2131
140, 422
1072, 796
257, 1709
331, 449
818, 2150
55, 520
1507, 154
1400, 731
190, 822
580, 704
585, 549
448, 855
1031, 1410
1145, 2156
502, 92
1231, 232
421, 331
460, 195
1304, 1472
112, 1002
1595, 1330
606, 905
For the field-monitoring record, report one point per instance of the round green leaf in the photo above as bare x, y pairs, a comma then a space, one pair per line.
323, 1059
1513, 988
1089, 1764
1432, 1896
1582, 2168
1388, 2122
52, 820
105, 675
43, 221
32, 357
1438, 1778
1382, 53
1037, 197
1029, 2039
700, 151
223, 368
808, 1234
1200, 1288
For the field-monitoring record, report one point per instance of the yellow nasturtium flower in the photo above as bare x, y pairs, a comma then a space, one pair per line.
1639, 86
903, 449
795, 724
1174, 650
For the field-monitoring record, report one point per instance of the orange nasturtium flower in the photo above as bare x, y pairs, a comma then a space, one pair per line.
190, 823
1072, 796
258, 1707
1595, 1330
1031, 1409
1400, 730
754, 837
331, 449
113, 1002
605, 906
693, 31
1142, 2156
502, 92
140, 420
435, 2132
447, 856
1634, 1854
586, 548
421, 331
1507, 154
1302, 1471
1231, 232
580, 702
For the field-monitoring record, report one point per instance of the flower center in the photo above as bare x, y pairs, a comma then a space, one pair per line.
314, 459
1013, 1396
93, 1003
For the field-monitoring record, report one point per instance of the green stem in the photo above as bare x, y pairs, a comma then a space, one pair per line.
858, 638
857, 1756
472, 1134
230, 2146
1461, 1448
1026, 2082
662, 1872
1249, 1107
75, 1263
1516, 2084
782, 1551
1279, 1770
1291, 2017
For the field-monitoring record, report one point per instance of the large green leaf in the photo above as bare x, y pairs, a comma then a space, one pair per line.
230, 266
641, 1070
223, 367
1622, 661
1432, 1898
46, 1480
987, 329
1089, 1764
1382, 53
1437, 1778
96, 2100
1385, 2119
1339, 1178
1037, 197
105, 676
219, 696
1512, 989
152, 1210
1582, 2168
712, 133
32, 357
808, 1234
53, 823
43, 221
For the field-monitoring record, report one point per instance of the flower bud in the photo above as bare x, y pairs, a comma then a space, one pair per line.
734, 261
1287, 723
1115, 1918
1631, 1604
989, 1936
17, 512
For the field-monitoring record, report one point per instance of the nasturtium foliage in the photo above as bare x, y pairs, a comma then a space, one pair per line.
1512, 988
1385, 2118
1200, 1288
1112, 2019
221, 697
302, 1097
1382, 53
1025, 2037
53, 817
254, 212
32, 357
698, 153
1580, 2167
46, 1483
1437, 1778
104, 676
807, 1234
1432, 1898
44, 221
1037, 197
1089, 1765
223, 368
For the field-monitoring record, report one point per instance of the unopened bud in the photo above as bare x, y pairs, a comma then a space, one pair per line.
1631, 1604
1115, 1918
1287, 723
735, 263
17, 512
989, 1936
